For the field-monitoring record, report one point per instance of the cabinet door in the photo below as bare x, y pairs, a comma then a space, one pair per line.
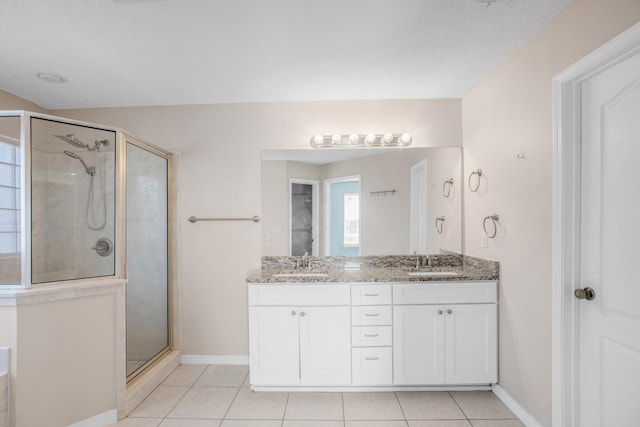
471, 344
418, 344
273, 346
325, 356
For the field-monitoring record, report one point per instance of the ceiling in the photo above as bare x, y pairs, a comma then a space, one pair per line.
172, 52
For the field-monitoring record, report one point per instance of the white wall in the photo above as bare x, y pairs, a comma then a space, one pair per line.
510, 113
220, 154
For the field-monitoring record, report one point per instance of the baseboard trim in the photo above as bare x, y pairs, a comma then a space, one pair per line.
525, 417
199, 359
100, 420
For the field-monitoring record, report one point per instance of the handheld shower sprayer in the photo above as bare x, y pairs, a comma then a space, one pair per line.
90, 169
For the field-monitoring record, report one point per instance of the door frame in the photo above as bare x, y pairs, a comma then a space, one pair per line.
565, 327
415, 215
314, 213
327, 209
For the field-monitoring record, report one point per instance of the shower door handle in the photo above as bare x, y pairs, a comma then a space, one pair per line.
103, 247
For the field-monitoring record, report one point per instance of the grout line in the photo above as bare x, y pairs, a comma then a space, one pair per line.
344, 420
224, 417
284, 413
459, 407
401, 409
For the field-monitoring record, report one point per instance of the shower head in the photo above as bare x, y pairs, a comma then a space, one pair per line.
71, 139
90, 170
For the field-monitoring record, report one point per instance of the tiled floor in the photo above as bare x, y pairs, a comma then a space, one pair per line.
219, 396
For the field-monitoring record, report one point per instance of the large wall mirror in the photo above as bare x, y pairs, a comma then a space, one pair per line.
382, 201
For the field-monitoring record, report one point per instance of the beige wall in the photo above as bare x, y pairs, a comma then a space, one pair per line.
12, 102
510, 113
67, 370
9, 338
220, 154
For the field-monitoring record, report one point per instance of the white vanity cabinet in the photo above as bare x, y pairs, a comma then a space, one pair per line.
299, 335
445, 333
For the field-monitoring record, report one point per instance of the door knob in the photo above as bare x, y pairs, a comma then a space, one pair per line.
586, 293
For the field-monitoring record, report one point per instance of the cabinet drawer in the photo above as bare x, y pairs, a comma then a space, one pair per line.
371, 294
371, 366
371, 336
308, 295
371, 315
445, 293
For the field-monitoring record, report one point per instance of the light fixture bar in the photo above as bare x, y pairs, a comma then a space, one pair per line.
361, 140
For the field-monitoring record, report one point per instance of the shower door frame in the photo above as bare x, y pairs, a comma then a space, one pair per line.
25, 200
124, 139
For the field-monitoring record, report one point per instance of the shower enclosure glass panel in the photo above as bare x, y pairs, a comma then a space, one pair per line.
148, 314
72, 201
10, 248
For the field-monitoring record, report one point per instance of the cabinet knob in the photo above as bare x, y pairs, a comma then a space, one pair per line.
293, 312
449, 311
440, 311
302, 313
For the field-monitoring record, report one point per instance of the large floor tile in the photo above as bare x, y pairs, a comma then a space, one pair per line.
372, 406
185, 375
440, 423
496, 423
314, 406
223, 376
250, 405
160, 402
251, 423
204, 402
429, 405
190, 423
138, 422
313, 423
482, 405
396, 423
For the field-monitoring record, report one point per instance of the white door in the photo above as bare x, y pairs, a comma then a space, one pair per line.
325, 346
471, 344
418, 344
274, 346
418, 209
610, 235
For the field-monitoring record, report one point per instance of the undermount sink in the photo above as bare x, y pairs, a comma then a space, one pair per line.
301, 274
432, 273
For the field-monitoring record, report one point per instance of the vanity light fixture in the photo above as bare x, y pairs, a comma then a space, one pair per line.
387, 139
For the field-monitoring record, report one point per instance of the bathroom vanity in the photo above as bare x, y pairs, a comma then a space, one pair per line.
373, 327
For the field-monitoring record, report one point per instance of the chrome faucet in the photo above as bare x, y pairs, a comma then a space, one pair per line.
305, 262
423, 263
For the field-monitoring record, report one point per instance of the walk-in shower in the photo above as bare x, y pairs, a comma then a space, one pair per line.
89, 206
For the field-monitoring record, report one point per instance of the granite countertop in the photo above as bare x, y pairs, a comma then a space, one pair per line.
371, 274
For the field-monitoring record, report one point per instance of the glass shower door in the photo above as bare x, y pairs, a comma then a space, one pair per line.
148, 272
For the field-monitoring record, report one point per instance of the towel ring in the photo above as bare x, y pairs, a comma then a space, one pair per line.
477, 186
440, 224
494, 219
446, 187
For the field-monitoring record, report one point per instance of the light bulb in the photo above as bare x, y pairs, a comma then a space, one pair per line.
318, 140
370, 138
336, 139
387, 138
405, 138
353, 139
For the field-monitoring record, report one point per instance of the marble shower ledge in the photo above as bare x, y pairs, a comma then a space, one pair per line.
375, 269
60, 291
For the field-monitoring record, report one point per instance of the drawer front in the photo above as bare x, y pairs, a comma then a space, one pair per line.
371, 366
371, 294
315, 295
445, 293
371, 315
371, 336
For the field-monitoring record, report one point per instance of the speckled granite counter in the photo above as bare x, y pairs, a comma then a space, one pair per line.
374, 269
